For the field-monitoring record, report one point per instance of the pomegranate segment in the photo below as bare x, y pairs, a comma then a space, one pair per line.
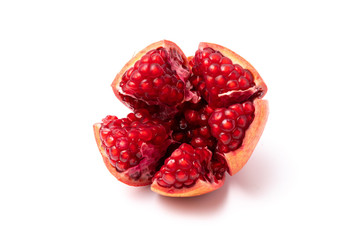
183, 168
224, 78
228, 125
134, 144
189, 168
204, 116
157, 76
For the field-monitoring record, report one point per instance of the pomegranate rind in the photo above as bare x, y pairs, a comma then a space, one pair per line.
237, 59
239, 157
121, 176
163, 43
200, 188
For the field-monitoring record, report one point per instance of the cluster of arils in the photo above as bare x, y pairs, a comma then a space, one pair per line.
193, 120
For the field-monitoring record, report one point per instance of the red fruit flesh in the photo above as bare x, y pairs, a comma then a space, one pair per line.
202, 119
133, 145
187, 172
223, 77
157, 75
228, 125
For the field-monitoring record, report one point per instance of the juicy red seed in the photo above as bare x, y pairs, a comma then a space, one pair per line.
215, 130
133, 135
121, 166
177, 153
104, 133
239, 69
223, 148
234, 75
248, 75
198, 142
225, 60
232, 84
168, 178
238, 133
234, 144
122, 144
209, 80
171, 165
215, 57
193, 174
156, 58
114, 153
146, 85
156, 70
145, 59
158, 82
136, 76
204, 131
109, 141
162, 183
191, 116
181, 176
238, 108
144, 68
145, 135
220, 81
243, 83
187, 148
248, 107
227, 125
206, 63
129, 72
229, 113
225, 138
214, 69
184, 163
125, 155
226, 69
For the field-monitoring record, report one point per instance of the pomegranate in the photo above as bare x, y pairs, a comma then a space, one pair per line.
193, 120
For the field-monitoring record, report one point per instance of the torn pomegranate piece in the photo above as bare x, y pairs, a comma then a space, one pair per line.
158, 75
187, 172
202, 119
223, 77
132, 146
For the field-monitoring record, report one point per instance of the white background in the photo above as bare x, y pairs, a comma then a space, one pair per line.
58, 59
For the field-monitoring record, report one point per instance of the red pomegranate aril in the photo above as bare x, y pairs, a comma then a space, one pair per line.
225, 138
156, 70
239, 69
233, 85
144, 69
220, 81
226, 69
156, 58
181, 176
248, 108
243, 83
234, 75
214, 69
225, 60
109, 142
248, 75
227, 125
238, 133
215, 57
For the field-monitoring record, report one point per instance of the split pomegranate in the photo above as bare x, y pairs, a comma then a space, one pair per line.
193, 120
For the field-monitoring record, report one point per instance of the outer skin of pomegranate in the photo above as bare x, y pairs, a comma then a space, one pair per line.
235, 159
